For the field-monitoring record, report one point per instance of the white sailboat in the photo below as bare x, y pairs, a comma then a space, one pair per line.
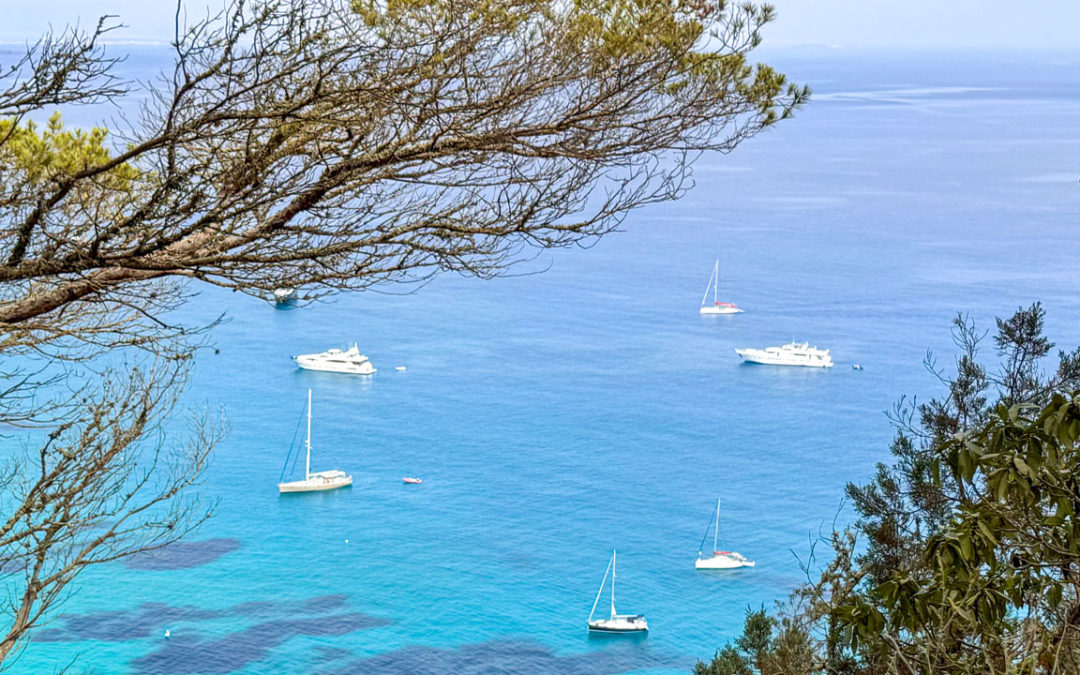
720, 560
319, 480
615, 623
717, 307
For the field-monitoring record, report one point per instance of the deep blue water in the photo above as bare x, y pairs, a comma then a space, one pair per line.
555, 416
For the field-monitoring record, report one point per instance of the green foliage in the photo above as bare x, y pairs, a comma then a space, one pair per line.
971, 547
704, 44
56, 153
767, 646
37, 165
909, 501
997, 589
970, 560
727, 661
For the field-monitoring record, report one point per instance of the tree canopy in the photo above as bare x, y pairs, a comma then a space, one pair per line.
303, 144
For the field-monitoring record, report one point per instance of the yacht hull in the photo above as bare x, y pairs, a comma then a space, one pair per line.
314, 364
755, 356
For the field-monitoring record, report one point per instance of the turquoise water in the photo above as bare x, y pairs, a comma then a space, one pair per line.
556, 416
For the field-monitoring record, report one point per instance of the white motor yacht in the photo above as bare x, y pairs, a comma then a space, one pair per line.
719, 560
314, 481
615, 623
337, 361
791, 354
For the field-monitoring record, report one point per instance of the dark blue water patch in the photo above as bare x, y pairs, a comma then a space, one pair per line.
257, 608
505, 656
237, 650
116, 626
327, 654
153, 618
311, 606
182, 555
324, 603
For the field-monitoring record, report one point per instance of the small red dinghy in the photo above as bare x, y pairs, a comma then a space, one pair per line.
414, 481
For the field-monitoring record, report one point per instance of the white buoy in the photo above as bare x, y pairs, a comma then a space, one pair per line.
167, 634
346, 541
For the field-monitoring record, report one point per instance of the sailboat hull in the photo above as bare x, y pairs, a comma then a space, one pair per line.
315, 485
620, 625
720, 310
721, 562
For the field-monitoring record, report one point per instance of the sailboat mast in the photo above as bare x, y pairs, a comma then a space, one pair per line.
612, 583
716, 279
307, 462
716, 532
706, 296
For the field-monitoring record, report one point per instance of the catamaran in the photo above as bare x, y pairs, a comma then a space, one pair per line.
720, 560
318, 480
615, 623
791, 354
717, 307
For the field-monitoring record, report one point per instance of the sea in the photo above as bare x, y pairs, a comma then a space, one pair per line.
582, 404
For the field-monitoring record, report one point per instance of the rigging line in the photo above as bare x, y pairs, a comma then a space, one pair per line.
599, 592
296, 437
296, 431
701, 546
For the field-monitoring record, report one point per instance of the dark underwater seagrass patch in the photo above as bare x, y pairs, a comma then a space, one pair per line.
509, 656
182, 555
234, 651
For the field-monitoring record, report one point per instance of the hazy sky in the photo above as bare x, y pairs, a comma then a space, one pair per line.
1006, 24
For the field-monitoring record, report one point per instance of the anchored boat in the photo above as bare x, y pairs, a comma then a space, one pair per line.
313, 481
719, 560
284, 296
337, 361
717, 307
615, 623
792, 354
